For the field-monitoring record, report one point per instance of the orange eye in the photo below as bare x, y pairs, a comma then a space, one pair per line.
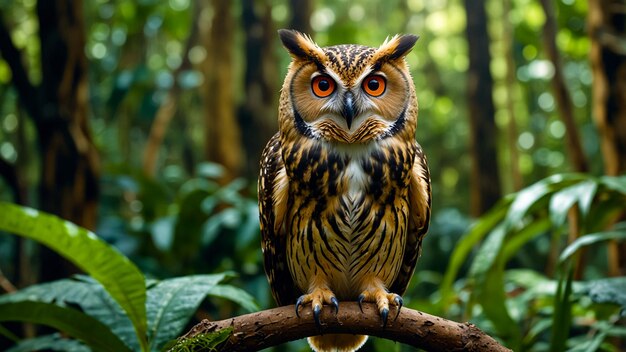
323, 86
374, 85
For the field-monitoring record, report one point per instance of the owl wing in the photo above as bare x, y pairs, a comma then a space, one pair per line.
273, 190
419, 217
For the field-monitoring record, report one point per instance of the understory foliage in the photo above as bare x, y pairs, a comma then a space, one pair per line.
538, 265
531, 272
115, 308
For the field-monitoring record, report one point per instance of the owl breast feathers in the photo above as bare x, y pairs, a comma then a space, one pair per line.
344, 190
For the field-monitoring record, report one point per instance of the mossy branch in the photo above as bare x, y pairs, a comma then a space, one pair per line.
256, 331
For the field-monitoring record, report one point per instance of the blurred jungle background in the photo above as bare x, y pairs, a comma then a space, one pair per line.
143, 121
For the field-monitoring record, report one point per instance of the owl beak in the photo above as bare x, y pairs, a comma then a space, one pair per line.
348, 108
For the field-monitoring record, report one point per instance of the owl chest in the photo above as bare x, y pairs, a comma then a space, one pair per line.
347, 218
339, 190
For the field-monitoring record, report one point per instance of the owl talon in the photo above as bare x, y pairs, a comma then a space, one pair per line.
298, 304
335, 304
318, 297
383, 299
361, 299
399, 303
316, 316
384, 313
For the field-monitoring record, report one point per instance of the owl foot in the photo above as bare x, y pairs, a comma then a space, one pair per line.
382, 298
318, 297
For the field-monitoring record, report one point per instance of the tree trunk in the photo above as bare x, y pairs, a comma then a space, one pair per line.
69, 174
485, 179
223, 137
563, 98
607, 30
258, 111
300, 15
511, 84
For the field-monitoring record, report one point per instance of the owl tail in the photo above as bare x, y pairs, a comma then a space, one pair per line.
337, 342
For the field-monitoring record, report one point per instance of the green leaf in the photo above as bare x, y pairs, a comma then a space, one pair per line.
615, 183
119, 276
70, 321
530, 196
463, 248
172, 302
492, 298
8, 334
162, 231
86, 293
561, 202
488, 271
589, 239
210, 170
235, 294
587, 192
562, 317
52, 342
249, 230
513, 244
488, 252
611, 290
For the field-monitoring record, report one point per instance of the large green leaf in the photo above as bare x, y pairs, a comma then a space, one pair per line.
235, 294
513, 244
121, 278
492, 297
533, 196
488, 252
581, 193
53, 342
586, 240
172, 302
488, 272
68, 320
86, 293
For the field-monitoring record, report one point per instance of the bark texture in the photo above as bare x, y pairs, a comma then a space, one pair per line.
256, 331
301, 11
607, 29
485, 179
258, 110
222, 131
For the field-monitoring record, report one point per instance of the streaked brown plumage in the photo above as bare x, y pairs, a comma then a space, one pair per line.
344, 190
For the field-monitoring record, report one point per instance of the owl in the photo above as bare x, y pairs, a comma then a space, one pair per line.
344, 188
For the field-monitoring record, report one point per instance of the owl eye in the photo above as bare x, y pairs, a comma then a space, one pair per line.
374, 85
323, 86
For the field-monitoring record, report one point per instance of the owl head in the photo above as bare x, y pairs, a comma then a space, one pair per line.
348, 94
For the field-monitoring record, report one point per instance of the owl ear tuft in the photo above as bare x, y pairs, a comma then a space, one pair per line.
300, 45
396, 48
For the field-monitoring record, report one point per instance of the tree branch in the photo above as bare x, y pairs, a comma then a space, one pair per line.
256, 331
27, 93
